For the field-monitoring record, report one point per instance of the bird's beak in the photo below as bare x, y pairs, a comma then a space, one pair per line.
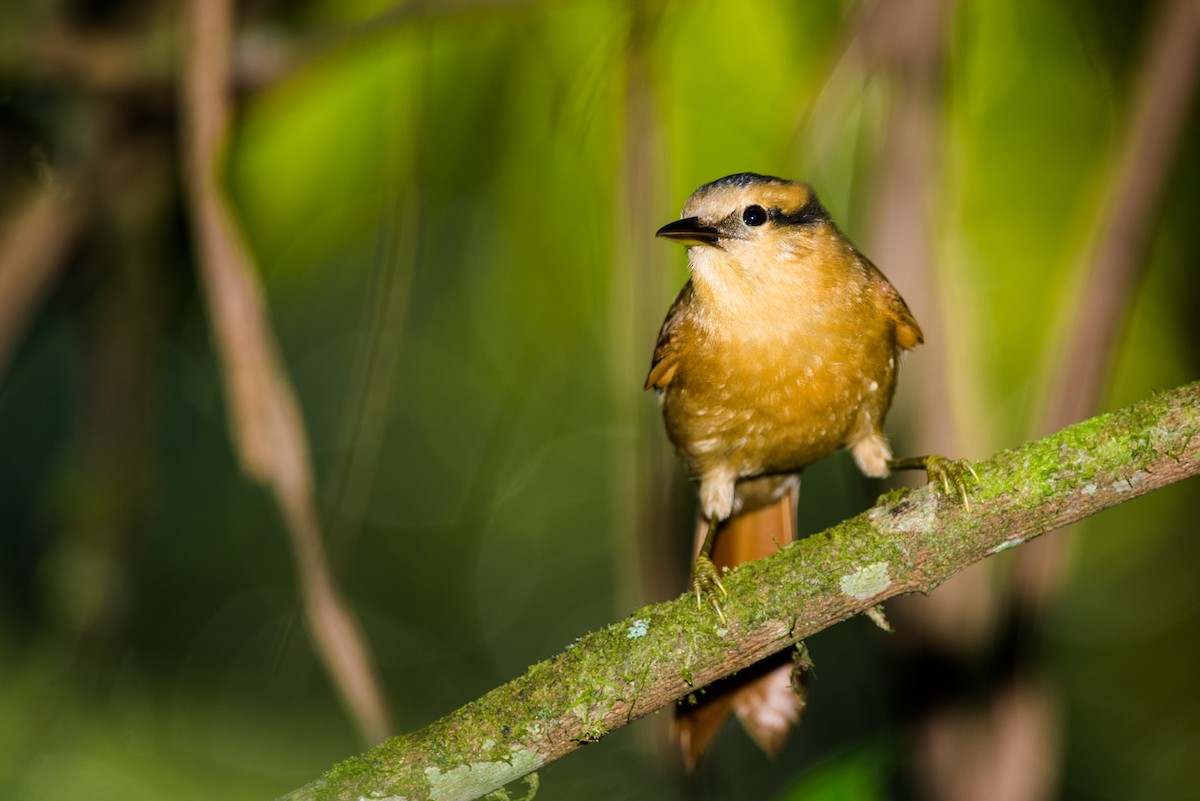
689, 231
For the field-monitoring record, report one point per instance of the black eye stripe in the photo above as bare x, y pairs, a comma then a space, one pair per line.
811, 212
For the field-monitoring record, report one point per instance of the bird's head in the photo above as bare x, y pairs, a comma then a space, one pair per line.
747, 232
748, 211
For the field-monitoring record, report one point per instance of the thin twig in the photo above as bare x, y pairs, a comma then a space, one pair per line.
33, 246
267, 428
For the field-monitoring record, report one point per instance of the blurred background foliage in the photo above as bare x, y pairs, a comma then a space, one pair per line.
451, 208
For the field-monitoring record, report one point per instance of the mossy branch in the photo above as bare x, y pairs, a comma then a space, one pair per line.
912, 541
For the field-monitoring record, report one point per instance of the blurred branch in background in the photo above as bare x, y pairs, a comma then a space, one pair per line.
911, 542
998, 746
904, 46
646, 529
1160, 104
645, 518
265, 419
33, 247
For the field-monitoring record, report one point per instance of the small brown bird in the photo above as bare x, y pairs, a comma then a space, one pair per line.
780, 350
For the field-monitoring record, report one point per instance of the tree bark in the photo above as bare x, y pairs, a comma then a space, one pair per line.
911, 541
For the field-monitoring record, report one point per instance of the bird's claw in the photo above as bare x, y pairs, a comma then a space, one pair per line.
939, 468
706, 583
951, 472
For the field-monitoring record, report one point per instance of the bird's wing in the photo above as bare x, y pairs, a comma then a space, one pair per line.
908, 332
666, 350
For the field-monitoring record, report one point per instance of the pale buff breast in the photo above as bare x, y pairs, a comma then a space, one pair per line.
783, 400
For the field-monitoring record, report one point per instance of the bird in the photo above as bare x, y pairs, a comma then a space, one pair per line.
781, 349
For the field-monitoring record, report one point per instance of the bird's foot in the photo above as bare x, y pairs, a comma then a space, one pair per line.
706, 585
948, 472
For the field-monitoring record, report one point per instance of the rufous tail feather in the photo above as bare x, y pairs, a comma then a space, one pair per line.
761, 696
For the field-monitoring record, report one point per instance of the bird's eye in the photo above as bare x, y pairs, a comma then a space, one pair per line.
754, 215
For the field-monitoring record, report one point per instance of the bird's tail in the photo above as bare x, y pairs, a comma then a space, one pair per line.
762, 696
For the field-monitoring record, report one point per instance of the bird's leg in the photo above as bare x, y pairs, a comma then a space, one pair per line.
706, 581
946, 471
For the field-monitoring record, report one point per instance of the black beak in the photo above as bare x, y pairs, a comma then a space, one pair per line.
689, 231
